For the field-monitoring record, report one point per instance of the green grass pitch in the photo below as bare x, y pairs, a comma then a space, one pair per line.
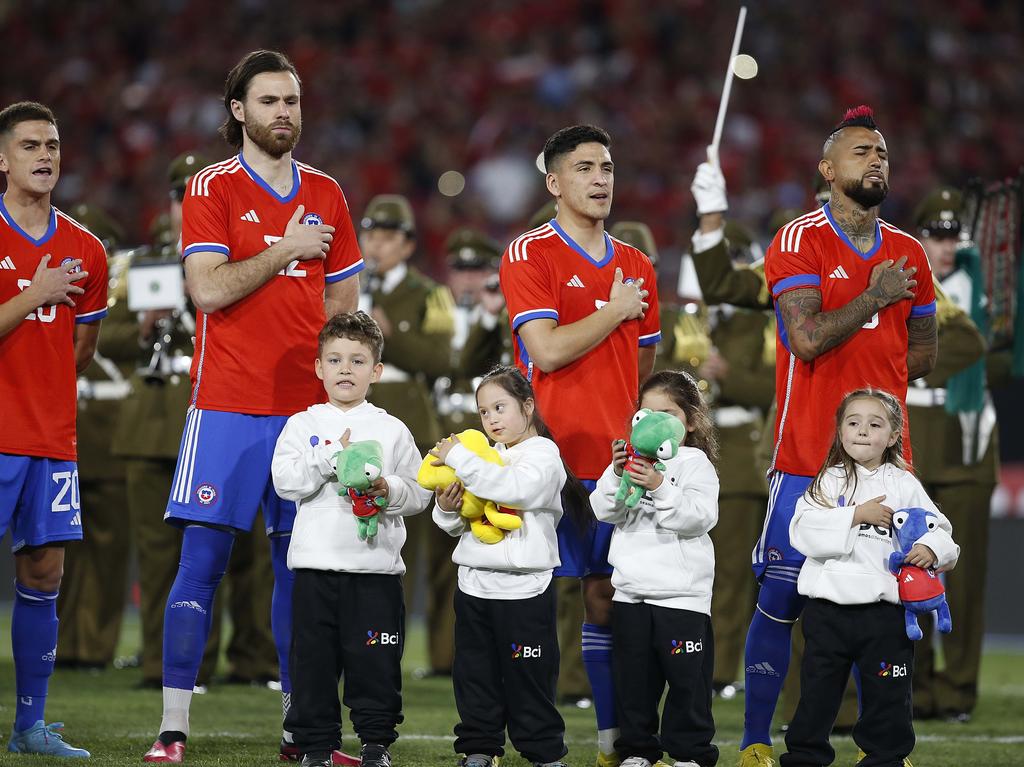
232, 725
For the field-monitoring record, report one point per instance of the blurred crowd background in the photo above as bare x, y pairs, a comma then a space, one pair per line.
397, 94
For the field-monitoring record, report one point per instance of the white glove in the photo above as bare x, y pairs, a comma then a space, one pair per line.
708, 189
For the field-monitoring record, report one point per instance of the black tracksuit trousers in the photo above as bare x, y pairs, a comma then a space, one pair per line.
837, 636
505, 673
351, 624
652, 645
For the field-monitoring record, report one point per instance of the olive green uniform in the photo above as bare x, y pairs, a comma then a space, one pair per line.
962, 489
94, 585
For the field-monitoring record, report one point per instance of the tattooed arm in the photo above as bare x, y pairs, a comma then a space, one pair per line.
922, 346
812, 332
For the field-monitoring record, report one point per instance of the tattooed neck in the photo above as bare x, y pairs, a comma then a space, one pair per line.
857, 223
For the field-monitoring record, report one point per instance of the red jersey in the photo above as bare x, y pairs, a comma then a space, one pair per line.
589, 402
38, 385
256, 356
918, 584
813, 252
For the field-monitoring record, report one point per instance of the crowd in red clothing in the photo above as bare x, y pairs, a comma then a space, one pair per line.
397, 93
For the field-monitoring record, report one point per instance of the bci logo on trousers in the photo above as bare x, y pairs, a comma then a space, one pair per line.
679, 646
525, 651
380, 637
888, 669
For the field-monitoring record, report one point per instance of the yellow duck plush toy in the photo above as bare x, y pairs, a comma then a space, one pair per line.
487, 521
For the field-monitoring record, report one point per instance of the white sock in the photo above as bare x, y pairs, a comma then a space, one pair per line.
176, 705
606, 740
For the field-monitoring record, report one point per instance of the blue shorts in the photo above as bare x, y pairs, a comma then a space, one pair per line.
223, 473
584, 552
773, 547
39, 500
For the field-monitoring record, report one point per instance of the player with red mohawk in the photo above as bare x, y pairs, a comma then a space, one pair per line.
856, 308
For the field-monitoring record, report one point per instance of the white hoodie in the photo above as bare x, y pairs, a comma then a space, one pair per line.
303, 468
849, 564
660, 549
519, 566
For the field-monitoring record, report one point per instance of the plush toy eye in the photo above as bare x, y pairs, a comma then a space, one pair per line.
930, 521
899, 519
665, 449
371, 471
639, 416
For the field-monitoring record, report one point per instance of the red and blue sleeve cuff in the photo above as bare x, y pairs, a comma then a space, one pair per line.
348, 271
924, 310
796, 281
533, 314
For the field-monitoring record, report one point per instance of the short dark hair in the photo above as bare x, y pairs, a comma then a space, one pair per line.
24, 111
237, 85
567, 139
355, 326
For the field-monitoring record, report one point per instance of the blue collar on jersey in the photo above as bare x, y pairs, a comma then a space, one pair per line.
269, 189
844, 238
50, 230
609, 249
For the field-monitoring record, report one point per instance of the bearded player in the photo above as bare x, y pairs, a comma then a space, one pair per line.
269, 252
856, 308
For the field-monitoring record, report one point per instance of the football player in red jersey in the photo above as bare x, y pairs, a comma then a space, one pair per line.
53, 294
584, 313
269, 248
856, 308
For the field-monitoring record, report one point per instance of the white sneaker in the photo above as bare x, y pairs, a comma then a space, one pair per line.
686, 764
635, 761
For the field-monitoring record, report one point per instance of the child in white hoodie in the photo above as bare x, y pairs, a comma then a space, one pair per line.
349, 614
506, 648
664, 567
853, 616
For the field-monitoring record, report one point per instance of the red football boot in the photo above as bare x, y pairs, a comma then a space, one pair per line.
291, 753
172, 752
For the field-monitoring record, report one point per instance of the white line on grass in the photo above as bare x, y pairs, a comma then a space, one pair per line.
1002, 739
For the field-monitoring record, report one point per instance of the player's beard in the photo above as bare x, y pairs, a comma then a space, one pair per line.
274, 144
864, 195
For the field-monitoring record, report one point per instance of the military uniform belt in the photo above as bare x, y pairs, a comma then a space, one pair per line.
103, 390
922, 397
734, 415
391, 374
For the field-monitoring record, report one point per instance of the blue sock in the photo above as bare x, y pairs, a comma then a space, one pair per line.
34, 645
766, 658
855, 671
281, 606
597, 660
205, 552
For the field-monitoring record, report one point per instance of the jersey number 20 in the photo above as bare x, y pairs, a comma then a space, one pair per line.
68, 481
43, 313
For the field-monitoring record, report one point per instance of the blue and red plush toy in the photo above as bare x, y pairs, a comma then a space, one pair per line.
921, 591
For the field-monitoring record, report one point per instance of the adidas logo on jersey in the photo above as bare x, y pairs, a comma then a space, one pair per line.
575, 282
7, 263
839, 273
76, 521
251, 217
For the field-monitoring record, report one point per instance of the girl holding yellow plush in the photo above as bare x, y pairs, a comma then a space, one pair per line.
506, 650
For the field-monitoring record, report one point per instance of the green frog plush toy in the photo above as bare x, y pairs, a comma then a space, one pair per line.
358, 466
655, 436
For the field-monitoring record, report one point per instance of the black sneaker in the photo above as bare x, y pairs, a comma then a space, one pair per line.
374, 755
317, 759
